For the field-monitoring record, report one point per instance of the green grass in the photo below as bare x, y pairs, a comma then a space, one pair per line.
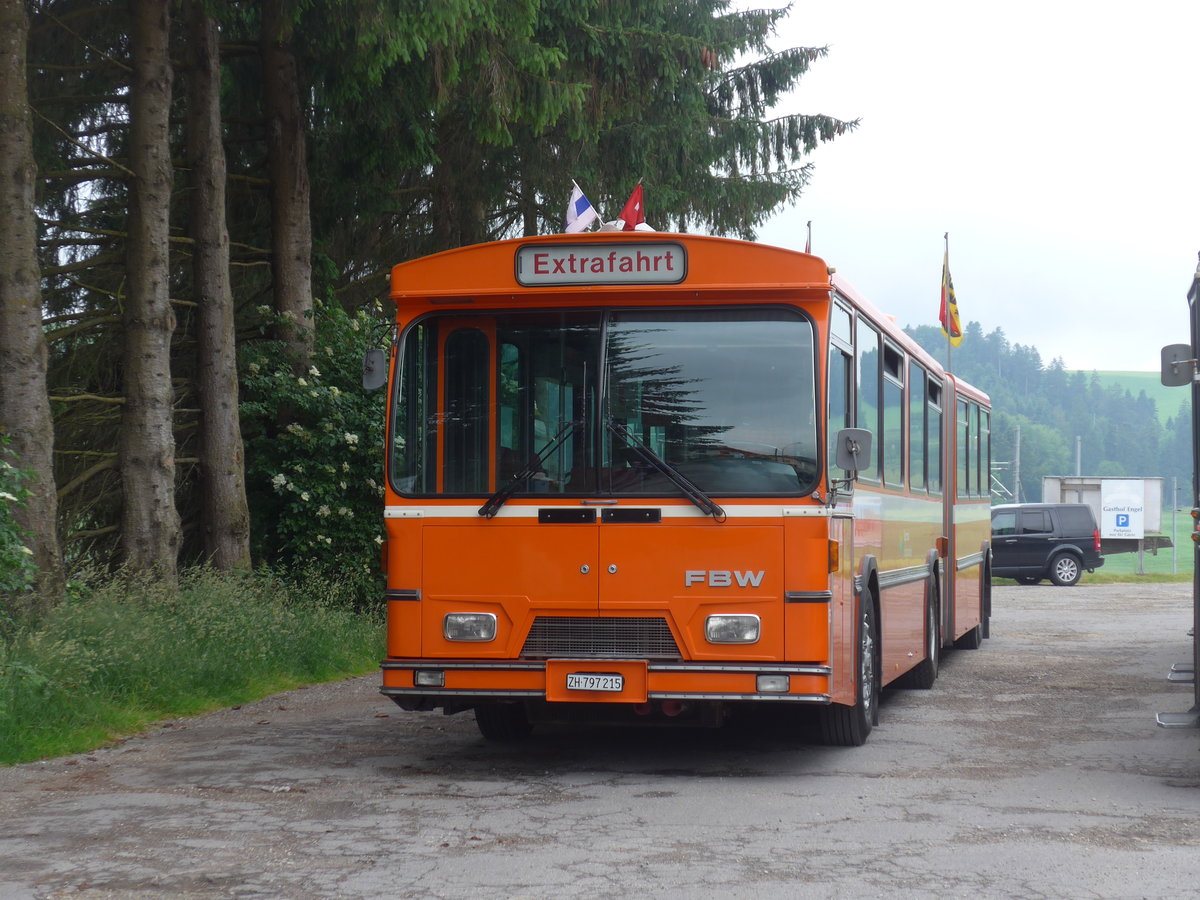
115, 658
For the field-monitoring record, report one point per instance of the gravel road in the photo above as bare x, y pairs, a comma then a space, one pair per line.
1033, 769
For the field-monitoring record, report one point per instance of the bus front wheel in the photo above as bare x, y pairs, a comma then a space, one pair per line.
502, 721
848, 726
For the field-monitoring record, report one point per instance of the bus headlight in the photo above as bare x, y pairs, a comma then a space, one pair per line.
469, 626
732, 629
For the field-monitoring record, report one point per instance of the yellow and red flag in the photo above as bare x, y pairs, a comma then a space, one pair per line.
951, 324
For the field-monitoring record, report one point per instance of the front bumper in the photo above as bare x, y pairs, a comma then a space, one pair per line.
465, 681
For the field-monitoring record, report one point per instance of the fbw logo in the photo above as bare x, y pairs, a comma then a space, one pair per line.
1122, 520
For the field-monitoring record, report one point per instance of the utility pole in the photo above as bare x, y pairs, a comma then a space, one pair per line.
1017, 468
1180, 366
1174, 530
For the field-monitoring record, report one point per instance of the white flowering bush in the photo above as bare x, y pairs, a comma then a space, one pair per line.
314, 454
17, 568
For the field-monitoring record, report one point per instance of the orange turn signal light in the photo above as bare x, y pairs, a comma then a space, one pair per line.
835, 556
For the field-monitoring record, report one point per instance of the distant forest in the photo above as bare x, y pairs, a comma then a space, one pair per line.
1120, 434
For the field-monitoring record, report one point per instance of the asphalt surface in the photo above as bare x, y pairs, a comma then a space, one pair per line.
1033, 769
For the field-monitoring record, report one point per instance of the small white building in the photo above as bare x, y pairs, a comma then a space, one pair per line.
1128, 510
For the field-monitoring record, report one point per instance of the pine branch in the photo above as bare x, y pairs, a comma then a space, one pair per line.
95, 532
89, 263
70, 398
75, 483
84, 147
99, 51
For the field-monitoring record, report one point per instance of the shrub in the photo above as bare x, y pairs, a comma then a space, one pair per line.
314, 455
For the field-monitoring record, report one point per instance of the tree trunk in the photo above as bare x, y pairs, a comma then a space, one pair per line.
150, 530
287, 164
225, 514
24, 404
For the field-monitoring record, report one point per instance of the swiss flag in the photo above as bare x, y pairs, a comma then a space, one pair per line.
633, 214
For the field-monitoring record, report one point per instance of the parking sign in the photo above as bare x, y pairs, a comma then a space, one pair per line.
1123, 508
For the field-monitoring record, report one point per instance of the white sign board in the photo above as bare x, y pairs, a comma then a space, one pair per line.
1123, 509
644, 262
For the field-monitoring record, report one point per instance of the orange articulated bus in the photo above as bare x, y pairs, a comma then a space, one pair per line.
648, 476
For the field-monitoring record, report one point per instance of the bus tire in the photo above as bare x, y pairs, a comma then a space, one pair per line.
502, 721
972, 640
848, 726
924, 674
985, 602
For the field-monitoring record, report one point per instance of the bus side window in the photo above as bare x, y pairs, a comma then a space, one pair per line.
963, 484
893, 416
413, 446
985, 450
916, 426
933, 434
867, 350
838, 407
983, 463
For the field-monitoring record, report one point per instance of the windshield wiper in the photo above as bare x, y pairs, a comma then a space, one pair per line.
532, 467
690, 490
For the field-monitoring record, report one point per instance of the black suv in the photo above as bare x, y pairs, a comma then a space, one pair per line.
1032, 541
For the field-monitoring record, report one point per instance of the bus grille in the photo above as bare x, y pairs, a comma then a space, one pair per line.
553, 636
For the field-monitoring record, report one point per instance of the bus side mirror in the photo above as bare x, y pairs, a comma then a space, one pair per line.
375, 369
1178, 366
853, 446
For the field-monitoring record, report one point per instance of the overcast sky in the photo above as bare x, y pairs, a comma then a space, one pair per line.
1058, 142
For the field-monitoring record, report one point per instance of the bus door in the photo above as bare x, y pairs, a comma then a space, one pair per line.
504, 395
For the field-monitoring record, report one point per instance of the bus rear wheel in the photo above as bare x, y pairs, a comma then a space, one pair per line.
848, 726
924, 674
502, 721
972, 640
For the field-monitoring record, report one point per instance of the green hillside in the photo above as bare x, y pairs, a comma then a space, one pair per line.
1167, 399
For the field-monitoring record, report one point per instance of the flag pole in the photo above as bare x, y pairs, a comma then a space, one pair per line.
945, 269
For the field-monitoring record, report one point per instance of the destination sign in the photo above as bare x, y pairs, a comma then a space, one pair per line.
649, 262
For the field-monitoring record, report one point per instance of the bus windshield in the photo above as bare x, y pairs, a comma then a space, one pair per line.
724, 397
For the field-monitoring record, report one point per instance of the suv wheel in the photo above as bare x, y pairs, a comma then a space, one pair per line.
1064, 569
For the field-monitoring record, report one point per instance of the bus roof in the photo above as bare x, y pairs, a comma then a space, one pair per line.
608, 262
898, 335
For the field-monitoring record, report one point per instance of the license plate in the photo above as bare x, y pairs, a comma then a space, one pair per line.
594, 681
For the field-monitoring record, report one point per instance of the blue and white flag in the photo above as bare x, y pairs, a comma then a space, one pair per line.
580, 212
